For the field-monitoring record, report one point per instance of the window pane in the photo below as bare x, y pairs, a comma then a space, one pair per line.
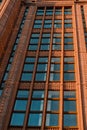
40, 76
45, 40
67, 39
5, 76
70, 120
52, 120
69, 106
17, 119
33, 47
55, 40
54, 76
35, 35
22, 94
0, 92
68, 59
55, 67
26, 77
57, 25
34, 41
68, 47
55, 59
28, 67
47, 25
37, 105
37, 26
43, 59
44, 47
57, 34
68, 34
53, 94
56, 47
35, 120
30, 59
53, 105
42, 67
68, 67
20, 105
46, 35
69, 76
38, 94
38, 21
69, 94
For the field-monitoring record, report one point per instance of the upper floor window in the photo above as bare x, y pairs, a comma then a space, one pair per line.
49, 11
40, 11
68, 10
58, 11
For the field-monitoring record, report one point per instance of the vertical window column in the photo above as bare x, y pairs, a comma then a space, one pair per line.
55, 69
52, 114
41, 71
33, 44
28, 69
69, 69
19, 109
70, 113
36, 108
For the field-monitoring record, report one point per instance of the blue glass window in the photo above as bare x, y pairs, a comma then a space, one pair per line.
22, 94
58, 11
40, 77
53, 94
52, 119
26, 77
68, 67
17, 119
69, 94
53, 105
35, 119
36, 105
42, 67
69, 106
54, 76
70, 120
38, 94
20, 105
69, 76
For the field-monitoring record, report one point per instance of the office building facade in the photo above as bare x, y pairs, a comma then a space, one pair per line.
43, 61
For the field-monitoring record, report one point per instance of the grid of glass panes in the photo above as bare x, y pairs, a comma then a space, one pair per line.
41, 70
68, 23
58, 11
47, 23
56, 45
57, 23
36, 108
19, 109
55, 69
37, 24
69, 69
68, 41
28, 69
49, 11
13, 50
52, 114
40, 11
70, 112
45, 42
33, 44
67, 10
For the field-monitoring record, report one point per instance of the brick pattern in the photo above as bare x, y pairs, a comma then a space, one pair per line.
7, 22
